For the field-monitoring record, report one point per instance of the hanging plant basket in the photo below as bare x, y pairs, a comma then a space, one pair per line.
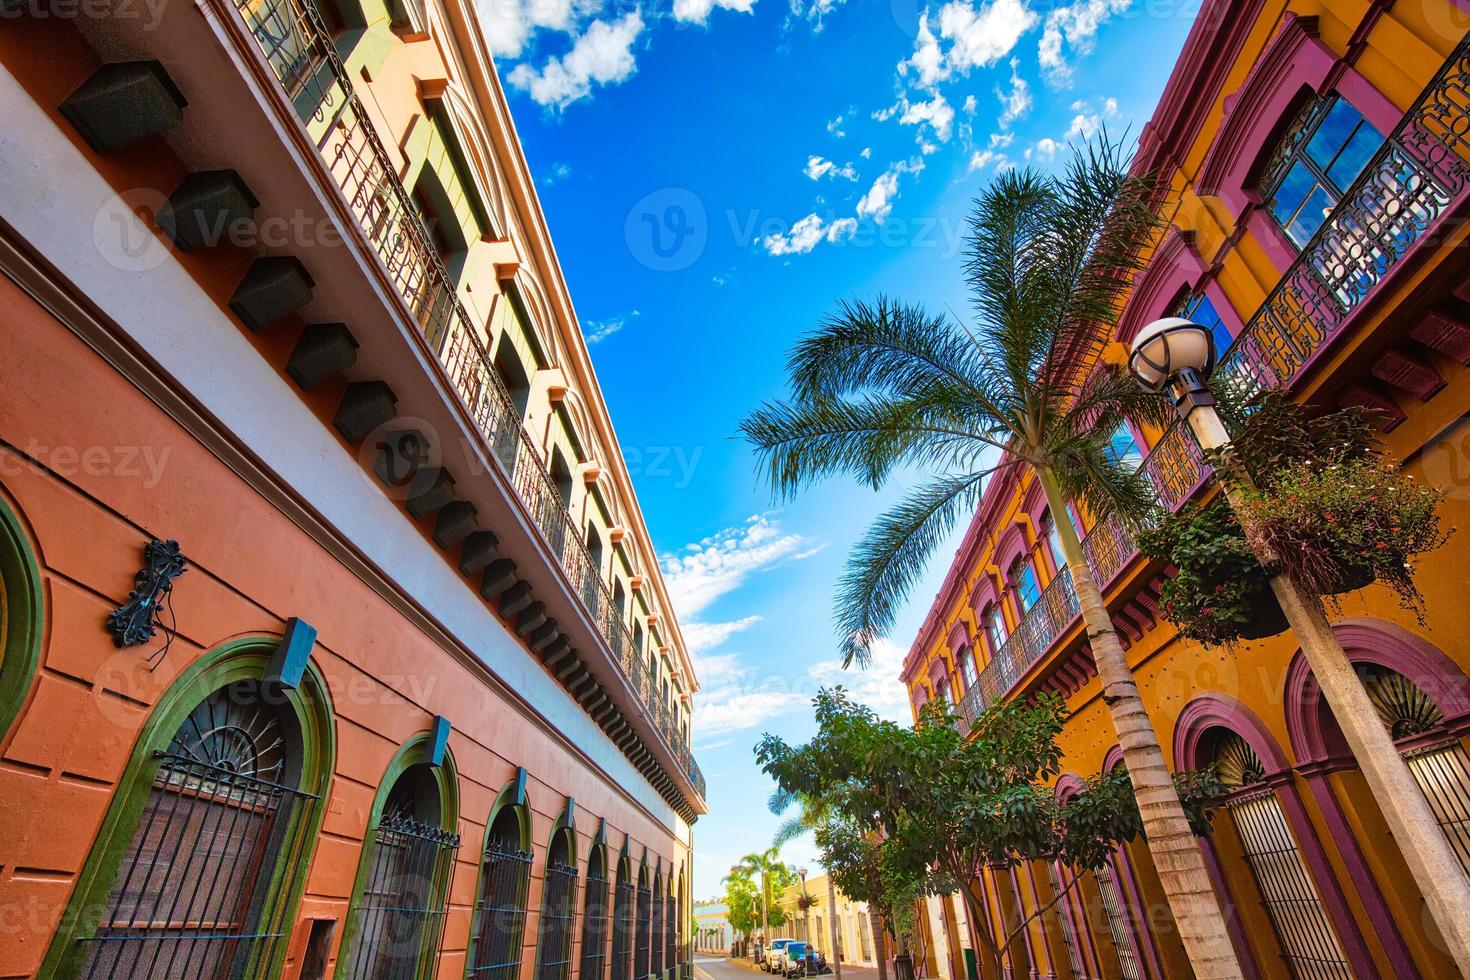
1267, 618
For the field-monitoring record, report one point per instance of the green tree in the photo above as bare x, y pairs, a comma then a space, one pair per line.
916, 810
742, 902
766, 866
888, 387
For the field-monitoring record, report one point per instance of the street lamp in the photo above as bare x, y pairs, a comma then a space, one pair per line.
1177, 355
806, 911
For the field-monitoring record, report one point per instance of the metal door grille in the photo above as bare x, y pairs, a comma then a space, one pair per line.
594, 927
640, 952
1129, 962
865, 944
1443, 774
623, 930
500, 913
558, 918
656, 935
671, 922
1308, 944
403, 907
186, 901
1064, 917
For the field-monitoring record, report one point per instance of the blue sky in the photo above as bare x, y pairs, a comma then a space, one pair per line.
716, 174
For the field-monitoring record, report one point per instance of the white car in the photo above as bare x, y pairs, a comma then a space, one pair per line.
771, 956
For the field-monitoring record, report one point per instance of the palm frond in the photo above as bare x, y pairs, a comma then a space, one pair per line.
892, 555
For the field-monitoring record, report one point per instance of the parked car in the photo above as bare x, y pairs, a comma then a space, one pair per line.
792, 962
771, 954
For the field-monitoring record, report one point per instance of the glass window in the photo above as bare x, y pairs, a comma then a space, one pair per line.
1197, 307
1323, 151
1123, 448
1053, 541
1023, 580
967, 668
995, 628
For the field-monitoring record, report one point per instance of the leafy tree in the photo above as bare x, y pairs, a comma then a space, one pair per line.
889, 387
916, 811
742, 901
778, 876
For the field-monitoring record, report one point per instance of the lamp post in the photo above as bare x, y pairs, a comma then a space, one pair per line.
1176, 355
806, 910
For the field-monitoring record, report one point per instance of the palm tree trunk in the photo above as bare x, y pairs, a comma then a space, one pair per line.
1176, 854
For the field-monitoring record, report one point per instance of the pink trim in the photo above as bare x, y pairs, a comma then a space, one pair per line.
1132, 893
1012, 545
1175, 266
958, 637
984, 594
1209, 711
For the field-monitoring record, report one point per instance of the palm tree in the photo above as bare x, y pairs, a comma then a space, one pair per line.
767, 868
887, 387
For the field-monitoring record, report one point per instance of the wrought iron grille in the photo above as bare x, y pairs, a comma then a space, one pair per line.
1120, 926
594, 926
1044, 622
500, 912
187, 898
641, 950
623, 930
671, 922
299, 48
656, 934
1443, 774
558, 919
403, 907
1064, 919
1308, 944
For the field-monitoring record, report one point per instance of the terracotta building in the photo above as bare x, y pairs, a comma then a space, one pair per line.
332, 639
1315, 177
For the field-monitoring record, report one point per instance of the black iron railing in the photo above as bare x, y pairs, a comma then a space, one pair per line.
1418, 175
595, 921
404, 901
624, 931
558, 919
299, 48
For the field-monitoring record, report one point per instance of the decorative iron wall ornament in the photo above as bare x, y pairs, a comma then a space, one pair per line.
136, 620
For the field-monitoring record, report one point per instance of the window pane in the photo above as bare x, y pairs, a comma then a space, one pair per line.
1355, 156
1123, 448
1333, 133
1311, 216
1023, 577
1199, 309
995, 628
1295, 187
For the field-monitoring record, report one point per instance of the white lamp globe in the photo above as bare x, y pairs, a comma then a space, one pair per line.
1165, 347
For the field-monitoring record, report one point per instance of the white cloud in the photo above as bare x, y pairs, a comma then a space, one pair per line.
981, 159
984, 36
1086, 124
807, 233
702, 572
867, 153
1045, 149
927, 62
1016, 101
814, 11
603, 55
1076, 26
877, 203
698, 11
508, 24
596, 331
970, 105
834, 127
558, 173
702, 637
878, 687
937, 113
818, 167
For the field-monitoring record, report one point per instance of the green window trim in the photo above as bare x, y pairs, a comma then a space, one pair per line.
417, 750
239, 660
23, 615
513, 797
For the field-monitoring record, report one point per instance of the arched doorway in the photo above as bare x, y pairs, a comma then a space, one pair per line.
558, 902
505, 881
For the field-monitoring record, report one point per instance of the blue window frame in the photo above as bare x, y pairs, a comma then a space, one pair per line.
1197, 307
1123, 448
1327, 145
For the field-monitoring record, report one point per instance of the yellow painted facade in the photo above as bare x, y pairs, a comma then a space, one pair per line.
1397, 344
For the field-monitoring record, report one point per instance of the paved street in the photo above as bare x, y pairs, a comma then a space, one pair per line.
723, 968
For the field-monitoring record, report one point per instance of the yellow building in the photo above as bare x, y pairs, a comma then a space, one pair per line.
1315, 175
856, 927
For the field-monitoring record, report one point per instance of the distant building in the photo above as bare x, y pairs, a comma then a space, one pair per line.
1315, 180
855, 925
713, 933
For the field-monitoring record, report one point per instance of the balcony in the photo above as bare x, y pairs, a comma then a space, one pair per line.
299, 50
1419, 175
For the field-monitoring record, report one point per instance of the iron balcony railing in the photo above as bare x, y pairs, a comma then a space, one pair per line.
299, 48
1418, 175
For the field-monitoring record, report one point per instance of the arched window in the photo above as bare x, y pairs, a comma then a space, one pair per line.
595, 915
671, 926
505, 879
558, 904
656, 931
20, 616
1314, 163
645, 912
995, 628
1309, 945
512, 374
1023, 582
201, 857
623, 919
967, 668
398, 916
